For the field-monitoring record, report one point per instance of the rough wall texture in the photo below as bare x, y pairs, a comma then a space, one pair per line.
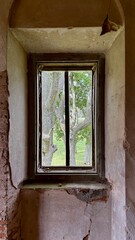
8, 194
115, 134
54, 214
4, 114
130, 229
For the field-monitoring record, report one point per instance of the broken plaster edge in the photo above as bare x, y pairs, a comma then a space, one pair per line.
86, 192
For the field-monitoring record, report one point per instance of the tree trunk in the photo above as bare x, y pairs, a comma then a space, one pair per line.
87, 155
50, 87
72, 151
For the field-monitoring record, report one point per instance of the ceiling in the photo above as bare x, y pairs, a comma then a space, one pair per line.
81, 40
62, 13
63, 25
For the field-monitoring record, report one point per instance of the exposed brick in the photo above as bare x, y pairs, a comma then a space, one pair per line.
3, 236
4, 169
5, 117
3, 78
4, 153
3, 222
3, 229
3, 89
4, 126
3, 140
4, 96
3, 104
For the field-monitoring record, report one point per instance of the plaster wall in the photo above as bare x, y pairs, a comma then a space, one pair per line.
56, 215
47, 213
114, 133
17, 77
47, 14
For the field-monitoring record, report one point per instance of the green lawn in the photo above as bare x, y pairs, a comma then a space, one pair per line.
59, 155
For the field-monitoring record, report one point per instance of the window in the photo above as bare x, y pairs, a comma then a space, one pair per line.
66, 117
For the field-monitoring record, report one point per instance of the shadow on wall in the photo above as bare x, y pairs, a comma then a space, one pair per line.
30, 215
13, 213
23, 214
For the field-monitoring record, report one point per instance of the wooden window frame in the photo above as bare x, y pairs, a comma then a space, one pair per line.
35, 60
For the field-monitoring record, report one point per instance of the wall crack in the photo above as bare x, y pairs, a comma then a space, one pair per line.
87, 237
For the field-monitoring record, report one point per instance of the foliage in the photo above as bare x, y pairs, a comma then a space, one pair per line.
80, 84
57, 130
84, 133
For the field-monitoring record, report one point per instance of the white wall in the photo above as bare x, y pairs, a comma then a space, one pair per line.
115, 133
17, 77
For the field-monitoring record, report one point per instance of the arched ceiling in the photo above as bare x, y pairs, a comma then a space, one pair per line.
62, 13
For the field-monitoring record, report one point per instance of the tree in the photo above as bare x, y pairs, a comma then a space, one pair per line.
80, 85
50, 91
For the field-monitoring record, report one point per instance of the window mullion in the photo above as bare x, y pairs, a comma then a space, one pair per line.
67, 121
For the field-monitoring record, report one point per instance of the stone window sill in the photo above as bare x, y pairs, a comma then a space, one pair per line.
87, 192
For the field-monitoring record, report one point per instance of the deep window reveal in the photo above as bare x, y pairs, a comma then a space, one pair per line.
66, 117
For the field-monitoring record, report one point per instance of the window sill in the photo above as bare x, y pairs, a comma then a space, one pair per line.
87, 192
55, 186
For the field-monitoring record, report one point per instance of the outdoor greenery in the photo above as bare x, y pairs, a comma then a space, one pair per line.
80, 95
59, 157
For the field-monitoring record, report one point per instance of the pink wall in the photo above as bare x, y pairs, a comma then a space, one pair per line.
54, 214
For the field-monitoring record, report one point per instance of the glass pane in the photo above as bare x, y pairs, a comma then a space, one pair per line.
53, 119
80, 94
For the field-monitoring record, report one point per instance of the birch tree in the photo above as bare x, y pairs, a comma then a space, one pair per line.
54, 113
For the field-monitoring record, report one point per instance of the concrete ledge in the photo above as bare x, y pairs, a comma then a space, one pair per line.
54, 186
87, 192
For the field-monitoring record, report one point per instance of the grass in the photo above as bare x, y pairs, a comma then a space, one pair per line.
59, 158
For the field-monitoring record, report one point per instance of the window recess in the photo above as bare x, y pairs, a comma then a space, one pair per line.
66, 122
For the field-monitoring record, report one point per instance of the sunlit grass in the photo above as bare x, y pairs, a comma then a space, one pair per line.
59, 157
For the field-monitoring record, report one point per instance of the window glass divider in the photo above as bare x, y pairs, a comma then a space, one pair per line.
67, 121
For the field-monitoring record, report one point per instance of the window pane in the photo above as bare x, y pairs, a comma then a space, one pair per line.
53, 118
80, 93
